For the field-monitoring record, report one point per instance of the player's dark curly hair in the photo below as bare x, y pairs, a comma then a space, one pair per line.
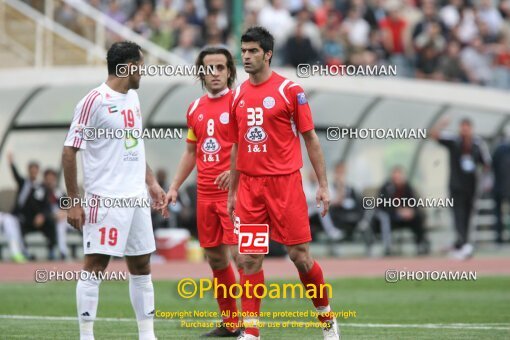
217, 50
260, 35
122, 53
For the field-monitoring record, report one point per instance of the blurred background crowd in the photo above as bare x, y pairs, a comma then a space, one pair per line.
450, 40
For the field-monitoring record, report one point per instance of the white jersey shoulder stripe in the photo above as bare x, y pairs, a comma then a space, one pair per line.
281, 88
236, 94
193, 108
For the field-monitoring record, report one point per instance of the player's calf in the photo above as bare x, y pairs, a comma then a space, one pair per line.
223, 274
310, 273
87, 293
141, 292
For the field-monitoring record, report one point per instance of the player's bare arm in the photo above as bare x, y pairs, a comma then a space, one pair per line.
184, 169
160, 201
75, 215
234, 182
316, 157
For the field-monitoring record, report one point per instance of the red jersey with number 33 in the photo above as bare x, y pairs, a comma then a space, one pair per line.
208, 119
264, 121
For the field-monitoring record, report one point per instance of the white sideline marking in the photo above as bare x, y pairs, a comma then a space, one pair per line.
482, 326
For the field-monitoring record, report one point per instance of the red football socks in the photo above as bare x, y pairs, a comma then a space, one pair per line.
315, 277
226, 302
251, 306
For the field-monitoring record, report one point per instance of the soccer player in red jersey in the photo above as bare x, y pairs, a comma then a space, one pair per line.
208, 148
267, 114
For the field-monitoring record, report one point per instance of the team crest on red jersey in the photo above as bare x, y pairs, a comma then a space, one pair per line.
256, 134
211, 145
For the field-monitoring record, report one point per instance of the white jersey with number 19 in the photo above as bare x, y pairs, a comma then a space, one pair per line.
112, 167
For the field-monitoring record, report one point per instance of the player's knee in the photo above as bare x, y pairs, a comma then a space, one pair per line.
217, 263
251, 263
301, 258
95, 267
139, 265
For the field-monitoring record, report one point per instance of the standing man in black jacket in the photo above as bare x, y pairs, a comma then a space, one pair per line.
466, 153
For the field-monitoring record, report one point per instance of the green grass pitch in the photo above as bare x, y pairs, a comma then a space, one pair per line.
404, 310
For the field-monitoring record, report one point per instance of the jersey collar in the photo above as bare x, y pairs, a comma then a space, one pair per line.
218, 95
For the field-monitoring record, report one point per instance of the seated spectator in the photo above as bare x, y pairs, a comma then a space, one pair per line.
450, 14
318, 223
322, 14
32, 207
333, 52
476, 62
277, 20
160, 34
450, 65
390, 218
393, 29
190, 12
356, 30
467, 29
115, 12
345, 207
489, 14
299, 49
166, 12
139, 24
186, 48
309, 28
429, 44
428, 63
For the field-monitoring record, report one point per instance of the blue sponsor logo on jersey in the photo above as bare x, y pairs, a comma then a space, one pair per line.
301, 98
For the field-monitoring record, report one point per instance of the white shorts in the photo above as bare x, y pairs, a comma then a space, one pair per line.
118, 231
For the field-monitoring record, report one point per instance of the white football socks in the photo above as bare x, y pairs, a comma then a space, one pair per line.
87, 297
141, 292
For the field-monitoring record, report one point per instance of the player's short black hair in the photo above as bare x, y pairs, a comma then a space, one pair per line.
217, 50
122, 52
260, 35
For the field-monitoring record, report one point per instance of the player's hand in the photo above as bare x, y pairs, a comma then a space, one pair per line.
223, 180
159, 199
323, 196
76, 217
10, 157
171, 195
231, 205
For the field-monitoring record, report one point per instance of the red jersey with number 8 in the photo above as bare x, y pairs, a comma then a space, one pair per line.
264, 121
208, 119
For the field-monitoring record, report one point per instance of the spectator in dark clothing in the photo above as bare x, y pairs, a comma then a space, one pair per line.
466, 153
501, 188
299, 49
391, 218
32, 207
450, 65
345, 207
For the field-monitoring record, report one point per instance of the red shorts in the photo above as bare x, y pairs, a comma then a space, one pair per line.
278, 201
214, 225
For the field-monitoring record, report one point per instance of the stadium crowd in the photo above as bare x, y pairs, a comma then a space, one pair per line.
450, 40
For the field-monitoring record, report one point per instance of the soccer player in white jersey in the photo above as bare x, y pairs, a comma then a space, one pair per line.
113, 168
